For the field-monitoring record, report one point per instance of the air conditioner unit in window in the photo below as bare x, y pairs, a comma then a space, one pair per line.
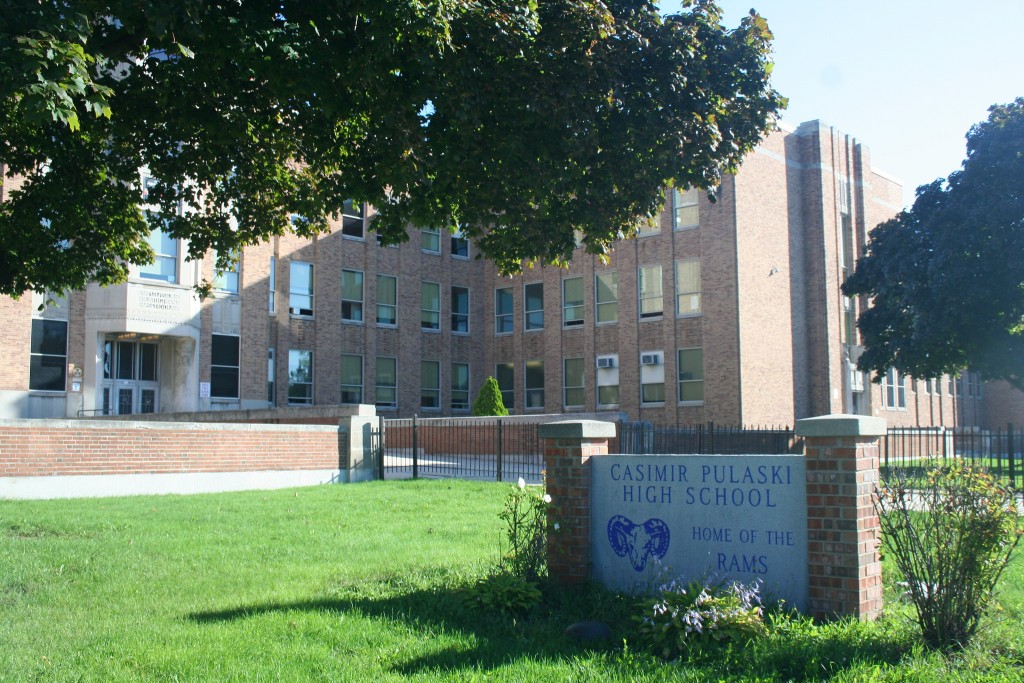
606, 362
650, 359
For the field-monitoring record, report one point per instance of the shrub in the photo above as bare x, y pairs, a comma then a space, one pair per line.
687, 619
504, 593
525, 517
488, 402
951, 535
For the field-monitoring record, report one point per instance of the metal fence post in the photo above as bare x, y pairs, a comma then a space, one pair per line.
415, 449
498, 463
380, 445
1011, 452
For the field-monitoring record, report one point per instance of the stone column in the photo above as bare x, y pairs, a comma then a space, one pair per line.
356, 455
568, 447
843, 533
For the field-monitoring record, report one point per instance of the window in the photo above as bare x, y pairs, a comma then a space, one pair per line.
226, 279
606, 295
430, 240
165, 263
430, 384
651, 228
685, 212
573, 383
271, 374
272, 282
224, 366
300, 293
505, 373
300, 378
48, 355
351, 296
460, 310
460, 386
387, 382
460, 245
690, 367
503, 313
533, 305
650, 292
430, 306
352, 219
387, 300
652, 377
608, 380
572, 301
534, 384
351, 378
894, 390
688, 287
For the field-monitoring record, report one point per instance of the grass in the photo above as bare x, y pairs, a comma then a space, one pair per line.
369, 582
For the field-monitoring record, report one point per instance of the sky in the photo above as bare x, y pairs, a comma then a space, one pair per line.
907, 78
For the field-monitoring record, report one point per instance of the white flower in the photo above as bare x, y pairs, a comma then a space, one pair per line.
521, 483
547, 498
557, 526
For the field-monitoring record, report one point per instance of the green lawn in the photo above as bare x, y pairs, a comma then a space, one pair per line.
366, 582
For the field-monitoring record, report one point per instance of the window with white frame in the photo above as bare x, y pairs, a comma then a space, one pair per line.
352, 220
533, 306
430, 240
894, 390
573, 390
460, 310
48, 355
460, 386
690, 369
300, 288
651, 227
534, 384
351, 296
685, 212
351, 378
688, 287
224, 366
387, 382
387, 300
572, 302
430, 306
505, 374
503, 311
460, 245
165, 249
271, 374
652, 377
225, 279
272, 284
651, 295
430, 384
300, 377
606, 297
608, 379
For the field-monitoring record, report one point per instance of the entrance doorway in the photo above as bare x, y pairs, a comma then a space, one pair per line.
130, 371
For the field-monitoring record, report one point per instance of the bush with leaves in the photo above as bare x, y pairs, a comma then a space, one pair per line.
526, 518
686, 619
951, 535
488, 402
504, 592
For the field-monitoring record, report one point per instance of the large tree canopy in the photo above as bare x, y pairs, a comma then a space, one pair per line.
947, 276
522, 122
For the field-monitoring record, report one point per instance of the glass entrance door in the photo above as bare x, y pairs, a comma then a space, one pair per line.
130, 377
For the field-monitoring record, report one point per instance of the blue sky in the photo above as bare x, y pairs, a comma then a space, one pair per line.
907, 78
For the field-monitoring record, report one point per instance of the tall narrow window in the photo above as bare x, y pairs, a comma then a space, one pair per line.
351, 378
300, 377
224, 355
533, 305
688, 287
608, 380
272, 283
606, 295
460, 386
165, 248
300, 288
894, 390
352, 219
572, 383
430, 384
460, 310
387, 300
430, 240
685, 212
48, 355
505, 373
430, 306
271, 375
351, 296
651, 297
503, 312
534, 384
572, 301
387, 382
226, 279
460, 245
691, 375
652, 377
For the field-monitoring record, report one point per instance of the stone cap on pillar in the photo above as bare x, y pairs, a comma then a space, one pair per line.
577, 429
841, 425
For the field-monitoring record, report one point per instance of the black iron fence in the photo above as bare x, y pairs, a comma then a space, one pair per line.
920, 448
645, 438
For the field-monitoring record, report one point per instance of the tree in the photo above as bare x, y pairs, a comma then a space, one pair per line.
519, 122
947, 277
489, 402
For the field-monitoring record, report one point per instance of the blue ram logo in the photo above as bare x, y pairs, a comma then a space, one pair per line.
639, 541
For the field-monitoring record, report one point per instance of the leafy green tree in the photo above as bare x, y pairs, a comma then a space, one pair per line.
946, 278
489, 402
520, 122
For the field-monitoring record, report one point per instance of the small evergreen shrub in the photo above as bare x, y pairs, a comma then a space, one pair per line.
951, 535
503, 592
525, 516
488, 402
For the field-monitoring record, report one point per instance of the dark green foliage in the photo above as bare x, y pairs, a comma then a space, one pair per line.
502, 592
488, 402
519, 122
951, 535
946, 278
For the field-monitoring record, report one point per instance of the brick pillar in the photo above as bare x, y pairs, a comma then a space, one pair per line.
843, 533
568, 447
